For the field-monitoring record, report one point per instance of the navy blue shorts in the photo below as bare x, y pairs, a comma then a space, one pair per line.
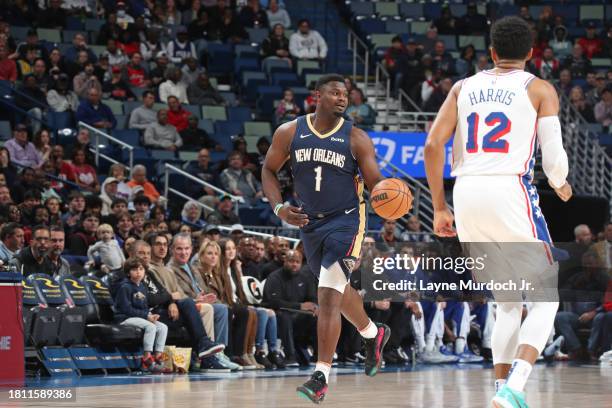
337, 239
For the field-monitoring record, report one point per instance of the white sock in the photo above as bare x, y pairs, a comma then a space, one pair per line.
519, 373
370, 331
459, 345
324, 368
430, 342
499, 384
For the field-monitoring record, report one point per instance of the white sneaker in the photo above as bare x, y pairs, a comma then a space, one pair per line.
226, 362
606, 358
431, 357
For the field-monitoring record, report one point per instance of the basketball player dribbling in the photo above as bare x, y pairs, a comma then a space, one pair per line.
496, 116
327, 153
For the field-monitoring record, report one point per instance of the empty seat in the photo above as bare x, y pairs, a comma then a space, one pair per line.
50, 35
413, 10
381, 40
131, 137
229, 128
207, 126
214, 112
302, 64
240, 49
371, 25
194, 109
68, 35
239, 113
478, 41
591, 12
362, 8
115, 106
221, 62
92, 24
386, 9
397, 27
249, 75
257, 129
270, 63
285, 79
257, 35
419, 27
450, 42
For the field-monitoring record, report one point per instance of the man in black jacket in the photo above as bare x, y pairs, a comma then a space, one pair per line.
176, 312
32, 259
293, 296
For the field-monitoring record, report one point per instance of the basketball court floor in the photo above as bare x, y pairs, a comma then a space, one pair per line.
559, 385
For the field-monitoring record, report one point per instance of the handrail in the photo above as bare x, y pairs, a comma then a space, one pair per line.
200, 181
259, 234
354, 42
98, 133
380, 69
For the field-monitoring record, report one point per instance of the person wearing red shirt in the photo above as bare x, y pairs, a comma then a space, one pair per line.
135, 74
82, 173
8, 68
591, 45
177, 116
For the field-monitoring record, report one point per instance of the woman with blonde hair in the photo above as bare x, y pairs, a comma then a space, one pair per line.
243, 322
231, 266
118, 171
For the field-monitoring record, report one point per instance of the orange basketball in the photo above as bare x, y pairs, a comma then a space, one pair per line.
391, 198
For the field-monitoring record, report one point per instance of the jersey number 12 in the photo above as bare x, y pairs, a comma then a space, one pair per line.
491, 142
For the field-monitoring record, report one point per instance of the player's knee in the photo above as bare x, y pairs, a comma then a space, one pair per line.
333, 278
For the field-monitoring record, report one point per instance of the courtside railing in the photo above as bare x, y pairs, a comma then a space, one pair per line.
98, 137
361, 57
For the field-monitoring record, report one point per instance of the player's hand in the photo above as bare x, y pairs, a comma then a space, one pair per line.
443, 223
293, 215
564, 192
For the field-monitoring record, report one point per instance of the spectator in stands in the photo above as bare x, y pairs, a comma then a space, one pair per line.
430, 84
139, 178
560, 45
31, 42
546, 66
181, 48
307, 44
202, 92
276, 45
32, 259
84, 235
83, 174
107, 249
60, 98
201, 28
591, 44
277, 15
239, 181
447, 24
244, 320
132, 309
442, 59
603, 109
192, 215
602, 248
116, 88
191, 71
525, 14
57, 239
389, 234
413, 232
41, 141
565, 81
252, 15
192, 285
12, 240
144, 115
583, 293
177, 115
437, 98
287, 109
108, 194
593, 96
161, 134
360, 112
7, 167
577, 63
393, 59
173, 86
123, 233
21, 151
118, 171
95, 113
195, 138
473, 23
466, 64
230, 28
135, 74
483, 64
114, 54
79, 43
287, 292
76, 207
128, 43
40, 74
193, 13
579, 102
54, 16
202, 169
25, 65
151, 47
83, 142
225, 214
8, 68
86, 80
32, 100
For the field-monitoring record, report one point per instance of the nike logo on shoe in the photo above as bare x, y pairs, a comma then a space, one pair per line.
349, 211
305, 136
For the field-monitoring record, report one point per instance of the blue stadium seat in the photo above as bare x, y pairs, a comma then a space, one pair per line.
207, 126
266, 98
285, 79
225, 141
194, 109
257, 35
268, 64
121, 121
214, 47
60, 120
245, 49
252, 88
74, 23
163, 155
458, 10
239, 113
432, 10
229, 97
129, 106
397, 27
228, 128
246, 64
131, 137
371, 25
450, 42
249, 75
362, 8
5, 130
92, 24
221, 62
413, 10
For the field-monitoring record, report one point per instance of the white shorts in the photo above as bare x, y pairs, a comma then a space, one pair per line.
498, 209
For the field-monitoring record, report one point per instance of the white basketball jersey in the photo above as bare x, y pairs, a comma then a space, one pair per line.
496, 125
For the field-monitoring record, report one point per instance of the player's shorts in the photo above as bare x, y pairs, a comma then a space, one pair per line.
498, 209
336, 239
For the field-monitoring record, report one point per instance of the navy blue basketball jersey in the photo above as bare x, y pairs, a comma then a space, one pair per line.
325, 172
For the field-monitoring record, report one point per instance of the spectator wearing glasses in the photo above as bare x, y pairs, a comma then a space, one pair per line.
32, 259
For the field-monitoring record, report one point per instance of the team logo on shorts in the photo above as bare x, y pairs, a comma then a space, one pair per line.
349, 263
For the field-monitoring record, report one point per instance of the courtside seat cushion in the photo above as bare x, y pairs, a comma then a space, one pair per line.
112, 334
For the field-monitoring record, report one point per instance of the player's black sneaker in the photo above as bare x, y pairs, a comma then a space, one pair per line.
374, 349
313, 389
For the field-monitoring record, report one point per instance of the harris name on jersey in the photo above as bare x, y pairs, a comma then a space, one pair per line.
503, 96
320, 155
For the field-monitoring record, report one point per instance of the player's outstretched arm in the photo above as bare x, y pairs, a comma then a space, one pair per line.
435, 155
554, 158
277, 155
363, 150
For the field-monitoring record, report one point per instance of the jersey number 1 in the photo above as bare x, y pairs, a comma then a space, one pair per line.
491, 142
318, 177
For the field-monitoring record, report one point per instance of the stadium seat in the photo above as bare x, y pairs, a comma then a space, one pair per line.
251, 142
413, 10
257, 35
131, 137
50, 35
371, 25
245, 49
74, 23
188, 156
60, 120
458, 10
165, 155
381, 40
207, 126
226, 143
129, 106
194, 109
5, 130
214, 112
478, 41
419, 27
257, 129
285, 79
450, 42
601, 62
432, 11
115, 106
252, 87
362, 8
92, 24
270, 63
221, 62
397, 27
591, 12
19, 33
227, 127
245, 64
301, 65
249, 75
386, 9
239, 113
121, 119
68, 35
